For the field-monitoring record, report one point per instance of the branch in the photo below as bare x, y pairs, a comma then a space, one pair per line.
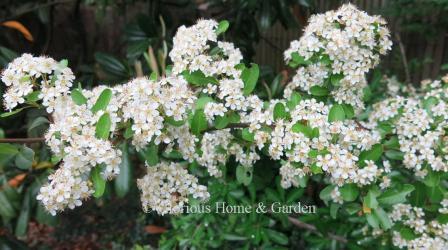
22, 140
232, 125
313, 229
360, 125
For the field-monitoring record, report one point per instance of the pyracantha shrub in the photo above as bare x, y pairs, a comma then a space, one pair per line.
205, 111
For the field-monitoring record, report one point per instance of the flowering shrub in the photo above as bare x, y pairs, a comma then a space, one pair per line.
204, 113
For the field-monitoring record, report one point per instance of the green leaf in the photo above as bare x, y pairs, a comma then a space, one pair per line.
297, 60
370, 200
124, 179
170, 120
221, 122
349, 111
334, 207
102, 128
394, 155
111, 65
244, 175
319, 91
78, 97
151, 154
394, 196
25, 157
336, 113
8, 149
38, 122
432, 179
198, 78
383, 218
325, 194
316, 169
222, 27
407, 233
99, 183
277, 237
352, 208
373, 154
6, 114
233, 237
373, 221
128, 133
248, 136
202, 101
250, 78
24, 216
102, 101
349, 192
304, 129
336, 79
280, 111
294, 100
33, 96
6, 209
199, 122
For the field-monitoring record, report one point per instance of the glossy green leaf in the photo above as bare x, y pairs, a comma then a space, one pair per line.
124, 179
349, 192
199, 122
151, 154
24, 159
78, 97
394, 196
280, 111
221, 122
99, 183
222, 27
103, 126
337, 113
319, 91
198, 78
383, 218
250, 78
102, 101
370, 200
247, 135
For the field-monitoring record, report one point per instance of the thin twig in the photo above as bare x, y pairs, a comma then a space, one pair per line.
232, 125
360, 125
403, 57
22, 140
313, 229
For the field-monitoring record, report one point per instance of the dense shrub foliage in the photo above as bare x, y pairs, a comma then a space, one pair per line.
377, 163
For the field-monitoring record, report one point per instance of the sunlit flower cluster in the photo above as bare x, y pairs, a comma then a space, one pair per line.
337, 49
21, 75
166, 188
196, 48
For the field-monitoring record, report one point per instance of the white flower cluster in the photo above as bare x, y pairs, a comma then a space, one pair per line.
26, 71
167, 186
311, 144
149, 103
420, 123
427, 235
191, 51
344, 45
71, 136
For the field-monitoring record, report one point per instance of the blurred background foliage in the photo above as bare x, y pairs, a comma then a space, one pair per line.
111, 41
